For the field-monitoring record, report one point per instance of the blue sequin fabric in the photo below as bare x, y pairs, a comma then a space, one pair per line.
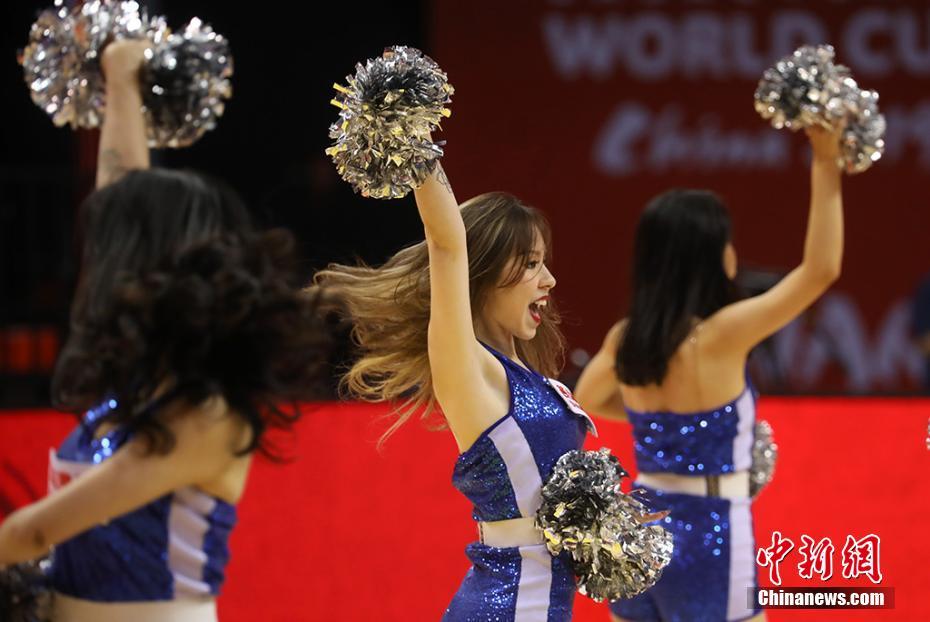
502, 474
709, 442
173, 547
712, 568
713, 565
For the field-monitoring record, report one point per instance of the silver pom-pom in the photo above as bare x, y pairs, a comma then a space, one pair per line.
613, 553
25, 593
61, 62
382, 141
807, 89
764, 456
802, 90
184, 82
864, 136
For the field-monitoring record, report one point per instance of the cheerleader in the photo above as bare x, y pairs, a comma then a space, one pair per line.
186, 330
465, 321
676, 369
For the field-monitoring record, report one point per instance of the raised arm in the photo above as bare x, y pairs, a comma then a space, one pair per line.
598, 389
123, 143
457, 361
744, 324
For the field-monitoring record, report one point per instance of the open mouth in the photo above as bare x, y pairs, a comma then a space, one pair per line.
536, 309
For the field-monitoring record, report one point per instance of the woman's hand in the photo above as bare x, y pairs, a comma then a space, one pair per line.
122, 61
825, 143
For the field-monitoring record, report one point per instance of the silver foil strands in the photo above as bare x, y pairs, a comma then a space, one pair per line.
764, 456
185, 80
61, 62
803, 89
25, 592
807, 89
382, 142
186, 83
613, 553
864, 137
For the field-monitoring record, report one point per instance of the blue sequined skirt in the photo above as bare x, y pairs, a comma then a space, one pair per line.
514, 584
713, 565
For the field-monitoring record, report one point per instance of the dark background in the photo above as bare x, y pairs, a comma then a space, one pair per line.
521, 123
268, 146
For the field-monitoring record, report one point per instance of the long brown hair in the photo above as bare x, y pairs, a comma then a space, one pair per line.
390, 305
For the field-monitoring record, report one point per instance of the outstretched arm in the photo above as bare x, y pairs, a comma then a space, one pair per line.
744, 324
206, 440
598, 389
123, 143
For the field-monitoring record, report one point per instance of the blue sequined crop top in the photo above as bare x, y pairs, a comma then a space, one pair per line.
503, 472
710, 442
173, 547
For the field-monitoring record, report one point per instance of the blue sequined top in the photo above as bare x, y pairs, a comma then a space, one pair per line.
174, 547
503, 472
709, 442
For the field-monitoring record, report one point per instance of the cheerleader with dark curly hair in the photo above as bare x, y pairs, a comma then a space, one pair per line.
187, 332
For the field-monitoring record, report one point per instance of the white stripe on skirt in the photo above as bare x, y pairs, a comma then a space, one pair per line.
742, 559
535, 584
535, 561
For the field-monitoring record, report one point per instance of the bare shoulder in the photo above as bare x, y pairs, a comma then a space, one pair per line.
210, 425
615, 335
715, 334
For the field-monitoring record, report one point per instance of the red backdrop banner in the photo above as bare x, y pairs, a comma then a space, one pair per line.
345, 532
588, 108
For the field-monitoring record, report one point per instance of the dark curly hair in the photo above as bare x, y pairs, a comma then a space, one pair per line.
177, 287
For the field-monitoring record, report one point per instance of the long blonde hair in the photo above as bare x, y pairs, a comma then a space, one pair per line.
390, 305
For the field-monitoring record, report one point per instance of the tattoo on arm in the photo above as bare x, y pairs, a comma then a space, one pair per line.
442, 179
110, 166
